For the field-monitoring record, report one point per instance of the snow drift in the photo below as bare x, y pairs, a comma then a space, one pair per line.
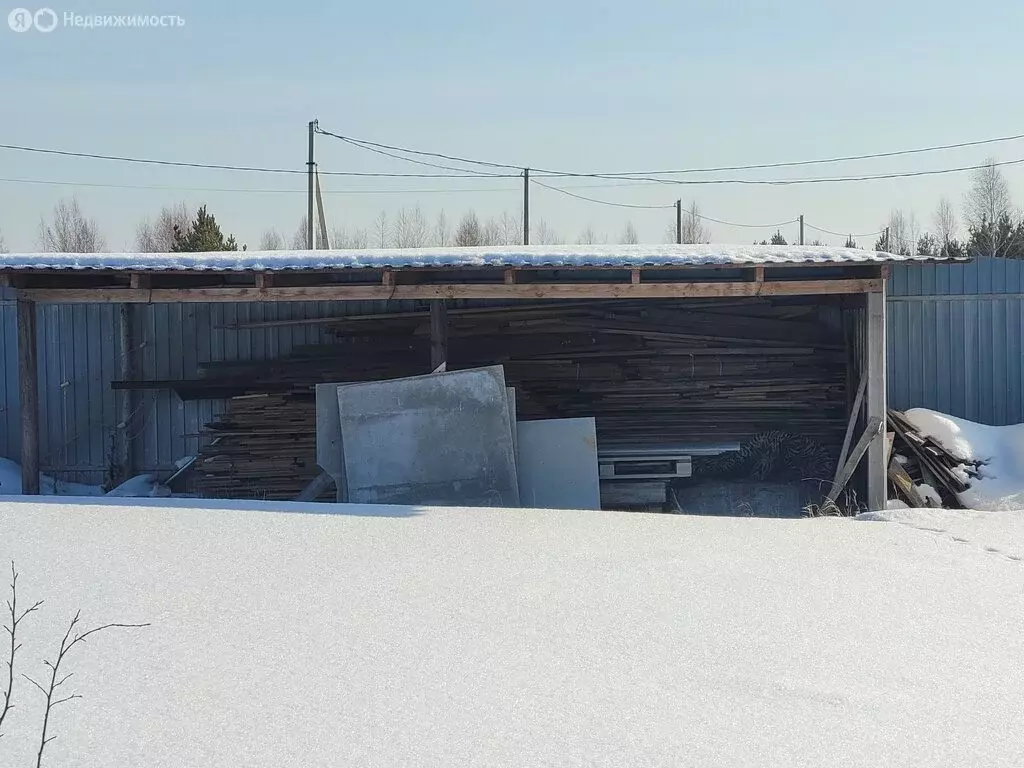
998, 450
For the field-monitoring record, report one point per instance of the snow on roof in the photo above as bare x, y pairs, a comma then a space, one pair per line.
549, 256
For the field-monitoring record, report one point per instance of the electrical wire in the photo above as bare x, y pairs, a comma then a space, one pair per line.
649, 175
466, 171
595, 200
748, 226
842, 234
253, 169
53, 182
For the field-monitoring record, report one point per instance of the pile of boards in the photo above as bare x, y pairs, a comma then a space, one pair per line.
262, 447
650, 372
917, 460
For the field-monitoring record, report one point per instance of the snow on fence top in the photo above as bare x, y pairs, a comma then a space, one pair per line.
536, 256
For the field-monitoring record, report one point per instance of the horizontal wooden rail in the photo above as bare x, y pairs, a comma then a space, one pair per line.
349, 292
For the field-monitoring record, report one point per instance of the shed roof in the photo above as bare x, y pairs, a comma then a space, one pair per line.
518, 256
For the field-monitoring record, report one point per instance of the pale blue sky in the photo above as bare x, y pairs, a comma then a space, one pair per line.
583, 86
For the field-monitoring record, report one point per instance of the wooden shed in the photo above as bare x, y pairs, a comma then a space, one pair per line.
658, 342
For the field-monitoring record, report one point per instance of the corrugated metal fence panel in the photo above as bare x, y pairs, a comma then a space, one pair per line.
173, 340
9, 442
79, 357
954, 339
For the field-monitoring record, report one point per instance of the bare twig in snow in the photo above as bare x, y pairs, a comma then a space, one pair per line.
56, 680
12, 631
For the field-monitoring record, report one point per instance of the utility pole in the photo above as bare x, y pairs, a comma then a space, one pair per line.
525, 206
888, 247
310, 166
801, 229
679, 222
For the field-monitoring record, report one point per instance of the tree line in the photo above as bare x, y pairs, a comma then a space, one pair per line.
993, 228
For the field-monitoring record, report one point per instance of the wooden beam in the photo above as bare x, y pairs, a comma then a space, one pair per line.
852, 422
634, 276
759, 274
28, 388
871, 432
510, 276
874, 352
438, 334
354, 292
264, 280
137, 280
388, 279
125, 398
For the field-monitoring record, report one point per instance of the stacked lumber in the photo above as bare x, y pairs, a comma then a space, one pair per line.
919, 459
651, 372
262, 447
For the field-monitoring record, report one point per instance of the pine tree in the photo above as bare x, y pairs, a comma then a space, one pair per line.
778, 239
202, 235
850, 242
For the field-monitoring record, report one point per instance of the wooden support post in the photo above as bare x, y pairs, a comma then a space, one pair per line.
510, 276
388, 279
124, 445
438, 334
28, 387
875, 353
634, 276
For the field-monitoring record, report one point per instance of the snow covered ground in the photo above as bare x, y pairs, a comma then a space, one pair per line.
1000, 449
320, 635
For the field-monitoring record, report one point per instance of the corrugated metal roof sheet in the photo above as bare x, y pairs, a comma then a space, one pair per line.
536, 256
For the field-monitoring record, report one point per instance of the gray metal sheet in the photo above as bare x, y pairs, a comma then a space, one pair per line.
558, 464
441, 439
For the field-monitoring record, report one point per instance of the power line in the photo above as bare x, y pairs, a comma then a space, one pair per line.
749, 226
649, 175
247, 168
465, 171
595, 200
842, 234
53, 182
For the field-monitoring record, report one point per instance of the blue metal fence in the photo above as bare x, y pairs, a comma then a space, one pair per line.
954, 339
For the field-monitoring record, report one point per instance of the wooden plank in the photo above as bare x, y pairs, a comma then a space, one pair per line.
905, 484
350, 292
510, 276
388, 279
634, 276
851, 423
264, 280
759, 274
438, 334
871, 432
875, 367
136, 280
28, 388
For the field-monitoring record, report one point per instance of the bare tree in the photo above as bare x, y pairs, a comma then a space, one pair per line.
945, 223
341, 238
897, 236
587, 237
542, 234
986, 204
16, 617
53, 696
3, 246
300, 240
70, 231
380, 229
491, 233
410, 230
271, 240
469, 232
629, 236
510, 228
693, 229
442, 233
158, 236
